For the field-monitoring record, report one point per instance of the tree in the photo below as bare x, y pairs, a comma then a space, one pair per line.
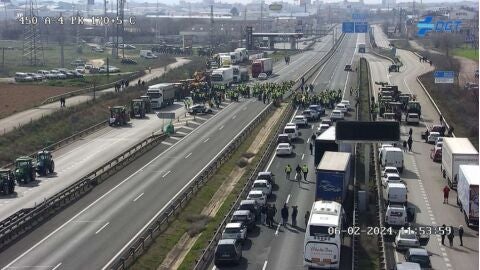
234, 12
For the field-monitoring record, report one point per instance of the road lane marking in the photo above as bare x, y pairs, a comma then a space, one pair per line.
103, 227
308, 141
265, 265
303, 155
166, 174
138, 197
174, 138
278, 228
206, 140
288, 198
235, 116
188, 155
221, 128
57, 266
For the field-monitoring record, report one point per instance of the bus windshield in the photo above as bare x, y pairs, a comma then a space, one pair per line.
316, 230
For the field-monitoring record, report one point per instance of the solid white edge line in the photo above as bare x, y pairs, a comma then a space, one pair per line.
351, 62
303, 155
175, 197
188, 155
166, 174
278, 228
206, 140
100, 198
101, 228
288, 199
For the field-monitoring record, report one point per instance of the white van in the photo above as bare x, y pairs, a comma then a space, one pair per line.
396, 214
392, 157
395, 193
292, 131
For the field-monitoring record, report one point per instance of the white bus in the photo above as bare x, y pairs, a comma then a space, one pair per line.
322, 236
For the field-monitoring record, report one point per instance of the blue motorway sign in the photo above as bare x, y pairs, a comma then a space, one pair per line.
444, 76
361, 27
348, 27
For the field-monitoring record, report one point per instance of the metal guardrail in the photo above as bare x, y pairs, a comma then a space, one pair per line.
67, 140
204, 260
158, 225
26, 219
82, 91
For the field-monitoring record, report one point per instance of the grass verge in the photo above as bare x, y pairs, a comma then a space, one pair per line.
469, 53
167, 240
64, 123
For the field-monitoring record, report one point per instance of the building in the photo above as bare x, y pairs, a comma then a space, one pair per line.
389, 3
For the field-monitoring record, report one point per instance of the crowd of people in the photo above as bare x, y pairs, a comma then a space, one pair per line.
327, 98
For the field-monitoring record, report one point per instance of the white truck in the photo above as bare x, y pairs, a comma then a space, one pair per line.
235, 57
161, 95
456, 152
222, 76
243, 54
225, 61
467, 192
147, 54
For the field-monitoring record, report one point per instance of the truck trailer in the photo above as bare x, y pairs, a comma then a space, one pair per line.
222, 76
333, 176
161, 95
326, 142
243, 54
262, 65
467, 192
456, 152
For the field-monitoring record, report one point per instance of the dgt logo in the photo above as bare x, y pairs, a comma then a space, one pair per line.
426, 26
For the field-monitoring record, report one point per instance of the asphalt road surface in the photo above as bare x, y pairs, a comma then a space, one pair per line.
100, 225
74, 161
282, 247
422, 175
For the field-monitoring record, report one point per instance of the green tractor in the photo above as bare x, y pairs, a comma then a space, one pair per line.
7, 181
24, 170
45, 164
118, 116
137, 108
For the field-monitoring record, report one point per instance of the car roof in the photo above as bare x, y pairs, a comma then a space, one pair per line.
226, 242
408, 266
283, 145
243, 202
397, 185
283, 135
393, 175
336, 111
390, 168
418, 251
396, 206
241, 212
299, 116
261, 181
265, 173
255, 192
234, 225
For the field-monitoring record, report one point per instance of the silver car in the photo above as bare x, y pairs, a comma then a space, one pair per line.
406, 239
235, 230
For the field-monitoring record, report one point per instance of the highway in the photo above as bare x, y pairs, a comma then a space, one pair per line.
421, 174
76, 160
282, 247
100, 225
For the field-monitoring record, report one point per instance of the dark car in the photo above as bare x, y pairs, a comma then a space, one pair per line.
348, 68
245, 216
128, 61
420, 256
199, 108
283, 138
228, 251
317, 108
250, 205
266, 176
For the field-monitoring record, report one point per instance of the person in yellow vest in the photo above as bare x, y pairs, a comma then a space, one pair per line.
305, 172
288, 170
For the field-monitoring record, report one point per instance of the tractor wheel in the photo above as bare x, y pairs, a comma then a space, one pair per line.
12, 188
5, 189
33, 177
52, 167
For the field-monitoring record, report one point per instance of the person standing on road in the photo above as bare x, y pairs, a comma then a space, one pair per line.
294, 215
443, 232
288, 170
410, 142
404, 146
149, 69
263, 214
268, 211
446, 192
305, 172
460, 234
410, 132
311, 148
284, 213
298, 169
451, 235
307, 217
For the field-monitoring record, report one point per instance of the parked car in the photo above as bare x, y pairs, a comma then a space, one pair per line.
300, 120
36, 77
346, 103
88, 66
420, 256
244, 216
390, 178
337, 115
407, 266
228, 251
283, 138
58, 74
396, 215
341, 107
269, 176
327, 121
321, 128
262, 76
389, 169
80, 69
235, 230
310, 114
262, 185
128, 61
199, 109
98, 49
432, 137
284, 149
251, 205
406, 239
347, 68
258, 196
23, 77
318, 108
